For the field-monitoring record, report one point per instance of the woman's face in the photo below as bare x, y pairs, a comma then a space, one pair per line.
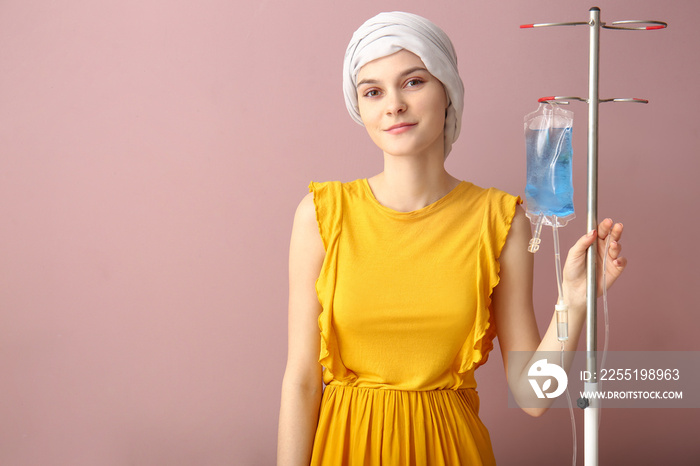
402, 105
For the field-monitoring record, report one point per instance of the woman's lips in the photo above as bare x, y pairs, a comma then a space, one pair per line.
400, 128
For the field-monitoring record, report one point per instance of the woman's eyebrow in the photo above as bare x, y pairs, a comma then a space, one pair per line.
405, 73
413, 70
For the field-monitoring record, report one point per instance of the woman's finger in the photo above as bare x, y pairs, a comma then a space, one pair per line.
620, 262
615, 249
579, 248
604, 228
617, 232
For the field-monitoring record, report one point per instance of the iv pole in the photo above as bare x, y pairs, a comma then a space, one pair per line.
591, 407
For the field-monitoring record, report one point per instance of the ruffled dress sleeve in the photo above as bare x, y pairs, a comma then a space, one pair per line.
497, 218
328, 201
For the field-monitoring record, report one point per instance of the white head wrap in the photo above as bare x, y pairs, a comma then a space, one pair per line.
388, 33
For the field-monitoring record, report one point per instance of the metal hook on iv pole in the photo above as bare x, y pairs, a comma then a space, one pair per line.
591, 417
564, 100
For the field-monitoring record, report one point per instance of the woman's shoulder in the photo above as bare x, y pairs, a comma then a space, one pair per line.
324, 205
331, 191
335, 184
491, 194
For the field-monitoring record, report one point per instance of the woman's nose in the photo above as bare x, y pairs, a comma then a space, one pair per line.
395, 104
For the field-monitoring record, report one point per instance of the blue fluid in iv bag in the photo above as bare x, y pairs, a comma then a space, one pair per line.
549, 189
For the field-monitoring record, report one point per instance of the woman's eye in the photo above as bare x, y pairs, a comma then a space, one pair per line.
371, 93
414, 82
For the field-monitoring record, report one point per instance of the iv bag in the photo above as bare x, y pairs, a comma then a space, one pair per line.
549, 192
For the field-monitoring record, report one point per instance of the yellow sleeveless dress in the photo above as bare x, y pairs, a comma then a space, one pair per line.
405, 321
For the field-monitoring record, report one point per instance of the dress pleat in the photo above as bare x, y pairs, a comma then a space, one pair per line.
369, 426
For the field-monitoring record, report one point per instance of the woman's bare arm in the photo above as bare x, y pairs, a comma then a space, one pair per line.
302, 383
512, 298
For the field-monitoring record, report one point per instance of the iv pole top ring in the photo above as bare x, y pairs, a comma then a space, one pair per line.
627, 25
564, 100
638, 25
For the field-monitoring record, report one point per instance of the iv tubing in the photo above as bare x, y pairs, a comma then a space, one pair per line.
557, 261
562, 309
562, 333
535, 241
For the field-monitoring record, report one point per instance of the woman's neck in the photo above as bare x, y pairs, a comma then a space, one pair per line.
410, 183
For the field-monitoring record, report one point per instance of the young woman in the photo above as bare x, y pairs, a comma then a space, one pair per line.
400, 282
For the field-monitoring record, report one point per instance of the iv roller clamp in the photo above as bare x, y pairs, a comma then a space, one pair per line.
595, 24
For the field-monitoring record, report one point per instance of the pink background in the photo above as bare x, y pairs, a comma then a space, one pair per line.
153, 153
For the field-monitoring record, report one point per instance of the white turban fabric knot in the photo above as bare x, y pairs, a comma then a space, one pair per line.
388, 33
